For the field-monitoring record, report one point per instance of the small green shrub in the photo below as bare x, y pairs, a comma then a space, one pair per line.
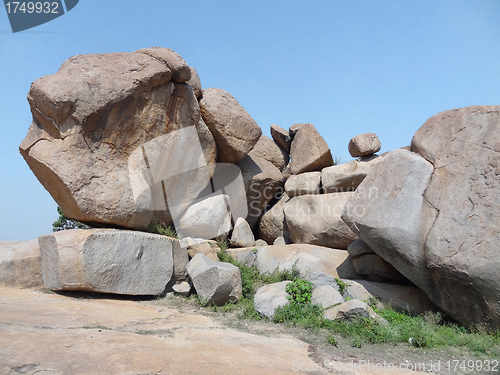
331, 340
342, 286
157, 228
300, 292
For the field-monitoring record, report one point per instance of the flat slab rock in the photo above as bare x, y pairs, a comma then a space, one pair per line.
107, 261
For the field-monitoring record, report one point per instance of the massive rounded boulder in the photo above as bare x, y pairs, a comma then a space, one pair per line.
111, 133
436, 213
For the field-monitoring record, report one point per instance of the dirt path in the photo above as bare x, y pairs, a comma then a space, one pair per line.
46, 334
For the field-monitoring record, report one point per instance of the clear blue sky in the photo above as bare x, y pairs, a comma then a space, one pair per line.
347, 66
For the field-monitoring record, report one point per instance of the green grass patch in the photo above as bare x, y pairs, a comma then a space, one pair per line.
157, 228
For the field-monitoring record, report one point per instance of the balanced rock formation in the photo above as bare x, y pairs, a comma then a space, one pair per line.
309, 151
107, 261
235, 131
96, 121
437, 212
281, 137
268, 150
364, 144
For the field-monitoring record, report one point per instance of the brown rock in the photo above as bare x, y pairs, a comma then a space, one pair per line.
195, 83
303, 184
348, 176
281, 137
21, 264
364, 144
272, 224
91, 121
294, 129
358, 248
181, 71
268, 150
235, 132
309, 151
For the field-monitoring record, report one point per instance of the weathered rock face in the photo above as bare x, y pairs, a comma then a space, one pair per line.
435, 220
242, 235
272, 224
269, 297
303, 184
195, 83
20, 264
326, 296
348, 176
315, 220
181, 72
107, 261
263, 181
364, 144
358, 248
194, 246
309, 151
281, 137
235, 131
373, 264
92, 123
215, 282
268, 150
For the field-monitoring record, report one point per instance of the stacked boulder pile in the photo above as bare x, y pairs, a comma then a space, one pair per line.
124, 141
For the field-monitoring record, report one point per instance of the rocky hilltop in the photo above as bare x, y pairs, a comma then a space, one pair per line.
124, 140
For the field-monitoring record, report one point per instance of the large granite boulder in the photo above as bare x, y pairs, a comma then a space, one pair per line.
347, 176
111, 132
235, 131
107, 261
303, 184
315, 220
269, 297
263, 182
268, 150
437, 212
272, 224
309, 151
215, 282
20, 264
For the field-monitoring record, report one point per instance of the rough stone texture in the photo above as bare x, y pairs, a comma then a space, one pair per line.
364, 144
181, 71
269, 297
348, 310
183, 289
244, 255
91, 121
234, 130
242, 235
107, 261
272, 224
36, 325
281, 137
209, 218
20, 264
195, 83
358, 248
309, 151
303, 184
315, 220
308, 259
348, 176
400, 297
215, 282
263, 181
294, 129
372, 264
180, 258
200, 245
326, 296
461, 248
322, 279
268, 150
390, 214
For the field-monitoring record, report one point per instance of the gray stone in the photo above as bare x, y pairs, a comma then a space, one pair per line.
303, 184
269, 297
279, 241
281, 137
348, 310
272, 224
215, 282
260, 242
309, 151
234, 130
322, 279
244, 255
183, 289
20, 264
107, 261
195, 83
364, 144
209, 218
242, 235
372, 264
348, 176
326, 296
199, 245
316, 220
358, 248
181, 71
